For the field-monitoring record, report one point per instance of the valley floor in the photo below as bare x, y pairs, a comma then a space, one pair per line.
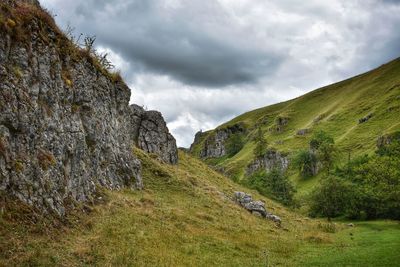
184, 217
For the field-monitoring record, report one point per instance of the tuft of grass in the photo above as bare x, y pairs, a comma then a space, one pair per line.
17, 72
18, 166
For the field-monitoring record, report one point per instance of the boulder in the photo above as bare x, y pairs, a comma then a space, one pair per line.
274, 218
255, 207
150, 133
302, 132
366, 118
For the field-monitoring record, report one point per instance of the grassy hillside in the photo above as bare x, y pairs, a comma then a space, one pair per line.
183, 217
335, 109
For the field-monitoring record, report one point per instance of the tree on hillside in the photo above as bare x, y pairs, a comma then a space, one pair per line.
320, 138
331, 197
322, 152
307, 163
323, 146
261, 144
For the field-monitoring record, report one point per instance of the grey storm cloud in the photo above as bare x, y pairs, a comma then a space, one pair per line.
192, 41
203, 62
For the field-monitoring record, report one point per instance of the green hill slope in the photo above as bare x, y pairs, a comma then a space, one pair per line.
335, 109
185, 217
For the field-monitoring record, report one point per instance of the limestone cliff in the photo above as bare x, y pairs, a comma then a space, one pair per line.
150, 133
214, 145
272, 159
65, 122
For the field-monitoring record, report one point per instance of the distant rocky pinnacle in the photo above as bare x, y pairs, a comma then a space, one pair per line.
66, 127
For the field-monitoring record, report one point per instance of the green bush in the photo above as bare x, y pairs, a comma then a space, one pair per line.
331, 197
274, 184
366, 188
320, 138
306, 161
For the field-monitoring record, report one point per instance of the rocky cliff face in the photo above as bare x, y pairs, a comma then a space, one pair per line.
272, 159
150, 133
214, 146
65, 124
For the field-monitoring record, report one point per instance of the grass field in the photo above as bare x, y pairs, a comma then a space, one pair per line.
185, 217
367, 244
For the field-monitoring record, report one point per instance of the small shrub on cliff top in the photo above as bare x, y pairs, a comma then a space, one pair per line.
66, 76
19, 23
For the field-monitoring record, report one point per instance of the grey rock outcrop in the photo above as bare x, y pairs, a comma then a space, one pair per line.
387, 139
197, 139
280, 123
366, 118
255, 207
272, 159
302, 132
150, 133
65, 126
214, 146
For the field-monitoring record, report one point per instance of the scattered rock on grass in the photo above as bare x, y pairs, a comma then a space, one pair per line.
255, 207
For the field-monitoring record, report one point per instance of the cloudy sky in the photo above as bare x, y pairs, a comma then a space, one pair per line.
203, 62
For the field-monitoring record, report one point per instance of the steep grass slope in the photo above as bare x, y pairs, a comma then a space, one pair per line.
335, 109
183, 217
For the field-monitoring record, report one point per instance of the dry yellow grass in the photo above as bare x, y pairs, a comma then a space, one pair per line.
184, 216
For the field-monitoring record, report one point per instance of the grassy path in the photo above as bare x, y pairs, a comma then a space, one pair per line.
367, 244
